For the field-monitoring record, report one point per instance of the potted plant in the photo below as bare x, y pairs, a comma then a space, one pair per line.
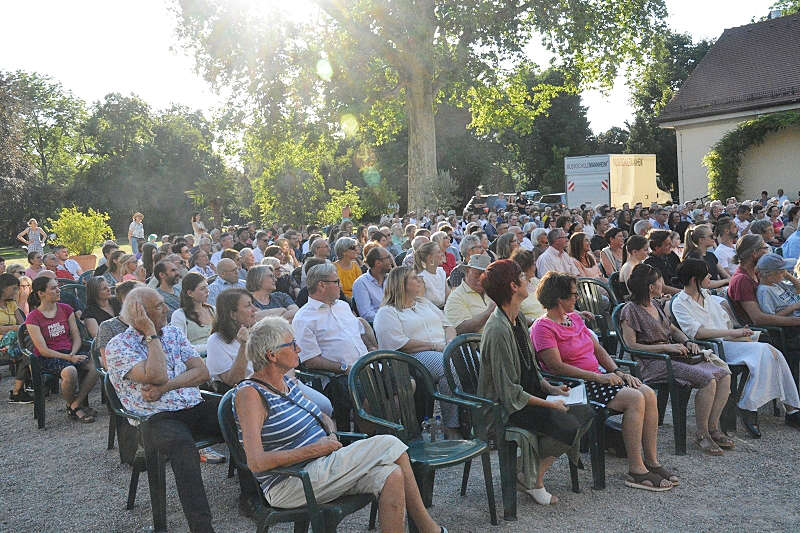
80, 232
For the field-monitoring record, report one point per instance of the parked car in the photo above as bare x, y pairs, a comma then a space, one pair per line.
550, 200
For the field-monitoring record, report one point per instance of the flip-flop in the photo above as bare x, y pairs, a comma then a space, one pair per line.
637, 481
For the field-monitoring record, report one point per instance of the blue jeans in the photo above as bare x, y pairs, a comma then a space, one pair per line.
135, 246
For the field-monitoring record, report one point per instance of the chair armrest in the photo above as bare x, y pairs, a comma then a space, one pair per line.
550, 377
297, 471
474, 398
649, 355
208, 395
378, 421
347, 437
130, 415
625, 362
462, 402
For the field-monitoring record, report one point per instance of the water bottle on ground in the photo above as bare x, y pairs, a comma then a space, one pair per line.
427, 434
437, 431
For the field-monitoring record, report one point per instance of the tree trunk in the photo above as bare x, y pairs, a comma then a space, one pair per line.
421, 138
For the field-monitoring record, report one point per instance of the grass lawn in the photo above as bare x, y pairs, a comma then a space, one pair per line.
17, 254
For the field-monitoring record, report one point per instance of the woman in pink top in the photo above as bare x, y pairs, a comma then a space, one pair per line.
56, 340
565, 346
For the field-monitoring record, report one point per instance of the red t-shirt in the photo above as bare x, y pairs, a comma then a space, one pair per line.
742, 288
63, 273
449, 263
54, 330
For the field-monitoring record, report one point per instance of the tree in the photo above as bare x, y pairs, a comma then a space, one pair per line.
538, 136
674, 58
389, 63
331, 213
612, 141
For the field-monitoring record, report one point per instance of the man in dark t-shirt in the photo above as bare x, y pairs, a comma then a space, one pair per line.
599, 240
660, 247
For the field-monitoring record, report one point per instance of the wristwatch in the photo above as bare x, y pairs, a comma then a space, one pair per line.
149, 338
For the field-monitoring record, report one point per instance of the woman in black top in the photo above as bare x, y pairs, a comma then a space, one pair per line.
100, 305
698, 241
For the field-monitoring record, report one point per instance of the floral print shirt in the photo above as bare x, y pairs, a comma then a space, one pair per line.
127, 349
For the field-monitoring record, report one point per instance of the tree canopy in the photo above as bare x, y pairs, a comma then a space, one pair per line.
377, 65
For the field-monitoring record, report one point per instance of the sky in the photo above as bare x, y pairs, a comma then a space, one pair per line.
94, 47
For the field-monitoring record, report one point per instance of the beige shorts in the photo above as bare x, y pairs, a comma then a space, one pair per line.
359, 468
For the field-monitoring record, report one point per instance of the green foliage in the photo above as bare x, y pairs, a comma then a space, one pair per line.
673, 59
725, 157
440, 192
376, 59
80, 231
375, 199
331, 213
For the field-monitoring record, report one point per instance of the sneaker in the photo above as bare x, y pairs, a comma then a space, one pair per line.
208, 455
22, 397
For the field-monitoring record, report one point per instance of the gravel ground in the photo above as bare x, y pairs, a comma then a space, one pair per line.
62, 479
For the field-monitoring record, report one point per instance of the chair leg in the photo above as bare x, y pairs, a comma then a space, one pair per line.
680, 399
231, 467
728, 418
134, 484
573, 476
112, 429
373, 515
465, 477
301, 526
156, 479
662, 397
775, 410
598, 453
487, 479
507, 452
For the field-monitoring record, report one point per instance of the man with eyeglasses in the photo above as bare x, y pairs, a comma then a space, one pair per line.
227, 278
555, 258
368, 288
330, 336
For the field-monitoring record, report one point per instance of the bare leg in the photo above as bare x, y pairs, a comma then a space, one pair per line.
392, 504
632, 405
703, 404
650, 427
69, 377
720, 399
413, 500
544, 466
87, 383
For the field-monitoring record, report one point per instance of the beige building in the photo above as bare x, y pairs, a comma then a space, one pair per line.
750, 71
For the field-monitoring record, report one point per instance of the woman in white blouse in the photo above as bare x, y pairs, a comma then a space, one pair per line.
195, 317
701, 316
409, 323
427, 259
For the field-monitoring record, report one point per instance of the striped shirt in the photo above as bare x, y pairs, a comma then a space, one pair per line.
286, 427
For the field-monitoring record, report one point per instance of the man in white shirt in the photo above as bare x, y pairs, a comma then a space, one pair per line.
554, 257
742, 219
259, 246
782, 198
225, 242
72, 266
726, 235
330, 337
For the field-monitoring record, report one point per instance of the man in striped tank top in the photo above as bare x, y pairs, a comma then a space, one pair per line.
278, 426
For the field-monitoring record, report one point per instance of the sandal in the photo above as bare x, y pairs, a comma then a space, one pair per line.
89, 411
664, 473
640, 481
708, 445
73, 414
722, 440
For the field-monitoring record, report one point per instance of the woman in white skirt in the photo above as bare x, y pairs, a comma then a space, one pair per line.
702, 316
410, 323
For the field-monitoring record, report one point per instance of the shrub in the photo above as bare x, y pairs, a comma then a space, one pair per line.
80, 232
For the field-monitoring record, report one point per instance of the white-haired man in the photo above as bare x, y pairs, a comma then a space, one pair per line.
156, 373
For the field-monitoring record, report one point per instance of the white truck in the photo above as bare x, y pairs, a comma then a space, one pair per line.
612, 179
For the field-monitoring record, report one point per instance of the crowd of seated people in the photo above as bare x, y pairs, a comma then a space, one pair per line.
233, 309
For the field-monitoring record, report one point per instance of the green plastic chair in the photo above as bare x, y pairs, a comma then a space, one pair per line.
78, 290
323, 517
462, 369
383, 395
679, 394
597, 298
153, 462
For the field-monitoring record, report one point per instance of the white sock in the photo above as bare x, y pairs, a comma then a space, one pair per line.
541, 496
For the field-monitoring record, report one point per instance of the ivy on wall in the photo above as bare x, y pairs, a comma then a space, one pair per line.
725, 157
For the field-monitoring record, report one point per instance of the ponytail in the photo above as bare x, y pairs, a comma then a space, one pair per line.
38, 285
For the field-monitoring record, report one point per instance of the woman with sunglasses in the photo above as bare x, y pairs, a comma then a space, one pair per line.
346, 249
565, 346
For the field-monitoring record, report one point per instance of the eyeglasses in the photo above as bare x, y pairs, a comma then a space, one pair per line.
354, 247
293, 344
572, 295
336, 281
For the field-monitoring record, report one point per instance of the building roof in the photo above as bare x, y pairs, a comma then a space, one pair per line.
750, 67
